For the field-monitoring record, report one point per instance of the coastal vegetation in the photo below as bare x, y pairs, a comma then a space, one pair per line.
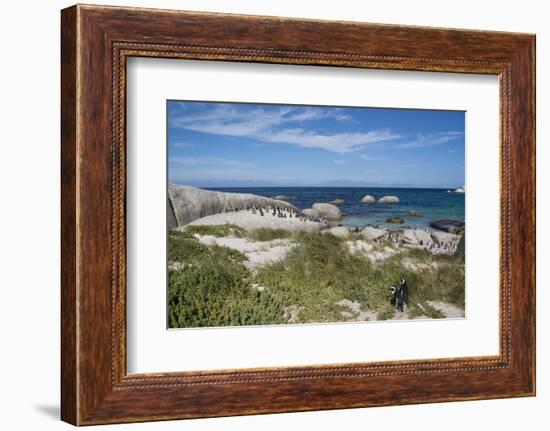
320, 277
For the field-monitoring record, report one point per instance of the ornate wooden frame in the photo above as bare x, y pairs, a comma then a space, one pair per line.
95, 43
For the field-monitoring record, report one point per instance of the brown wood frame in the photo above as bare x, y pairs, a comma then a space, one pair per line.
95, 43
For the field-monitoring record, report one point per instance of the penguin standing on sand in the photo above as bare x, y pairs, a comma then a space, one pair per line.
393, 299
404, 290
396, 299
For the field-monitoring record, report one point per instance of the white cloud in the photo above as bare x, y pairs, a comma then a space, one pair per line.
312, 114
431, 140
210, 161
279, 126
338, 143
367, 157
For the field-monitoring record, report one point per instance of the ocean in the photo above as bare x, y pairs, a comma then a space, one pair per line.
432, 204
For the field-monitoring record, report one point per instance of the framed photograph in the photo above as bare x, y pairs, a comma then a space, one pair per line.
265, 215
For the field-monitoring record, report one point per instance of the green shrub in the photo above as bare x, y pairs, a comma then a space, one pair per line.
214, 287
217, 292
181, 248
185, 248
320, 271
267, 234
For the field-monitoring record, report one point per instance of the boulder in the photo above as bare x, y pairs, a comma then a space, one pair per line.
339, 231
416, 237
337, 201
208, 240
450, 226
328, 211
444, 237
372, 233
395, 220
282, 197
388, 200
190, 203
171, 220
250, 221
461, 248
368, 199
310, 212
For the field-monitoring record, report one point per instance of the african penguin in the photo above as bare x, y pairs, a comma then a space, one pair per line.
404, 290
393, 299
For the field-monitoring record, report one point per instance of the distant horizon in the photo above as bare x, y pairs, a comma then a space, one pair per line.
263, 145
311, 186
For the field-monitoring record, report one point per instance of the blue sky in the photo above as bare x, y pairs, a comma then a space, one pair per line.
240, 144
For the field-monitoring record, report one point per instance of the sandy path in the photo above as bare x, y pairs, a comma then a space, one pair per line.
354, 311
257, 252
449, 310
367, 249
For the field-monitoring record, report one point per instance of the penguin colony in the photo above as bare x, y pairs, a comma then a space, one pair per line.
435, 247
400, 296
278, 211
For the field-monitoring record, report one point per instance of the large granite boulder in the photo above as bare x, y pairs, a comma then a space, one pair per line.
250, 220
450, 226
310, 212
388, 200
328, 211
368, 199
339, 231
171, 220
416, 237
461, 248
372, 233
444, 237
190, 203
282, 197
337, 201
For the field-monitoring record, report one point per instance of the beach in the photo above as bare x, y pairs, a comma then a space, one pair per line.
275, 256
430, 204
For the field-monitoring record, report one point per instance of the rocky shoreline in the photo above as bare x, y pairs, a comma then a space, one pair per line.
187, 204
263, 261
197, 207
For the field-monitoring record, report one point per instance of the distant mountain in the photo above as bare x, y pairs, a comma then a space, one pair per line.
332, 183
349, 183
228, 183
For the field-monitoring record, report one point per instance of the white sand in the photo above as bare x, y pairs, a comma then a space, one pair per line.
359, 247
257, 252
292, 312
367, 249
449, 310
355, 313
417, 265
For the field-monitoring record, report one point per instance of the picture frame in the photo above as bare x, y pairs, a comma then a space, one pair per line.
96, 42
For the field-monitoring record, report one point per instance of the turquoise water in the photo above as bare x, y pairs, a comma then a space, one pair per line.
433, 204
